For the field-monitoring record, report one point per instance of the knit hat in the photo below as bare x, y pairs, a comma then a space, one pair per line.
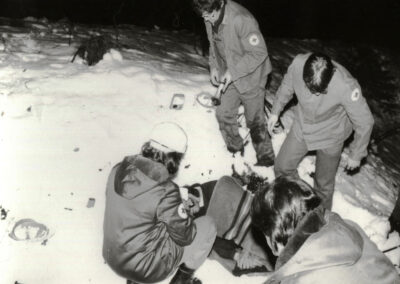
168, 137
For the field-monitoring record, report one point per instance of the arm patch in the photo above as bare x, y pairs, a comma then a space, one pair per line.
355, 95
254, 39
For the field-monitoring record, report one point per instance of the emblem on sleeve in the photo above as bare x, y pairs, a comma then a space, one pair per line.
182, 211
355, 95
254, 39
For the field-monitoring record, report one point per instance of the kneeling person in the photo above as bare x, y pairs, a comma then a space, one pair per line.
148, 231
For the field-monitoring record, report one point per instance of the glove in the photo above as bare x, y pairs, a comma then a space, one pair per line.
272, 120
214, 76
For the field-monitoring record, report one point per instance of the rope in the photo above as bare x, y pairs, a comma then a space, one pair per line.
207, 97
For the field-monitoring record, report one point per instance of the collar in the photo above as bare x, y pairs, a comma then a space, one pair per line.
220, 20
311, 223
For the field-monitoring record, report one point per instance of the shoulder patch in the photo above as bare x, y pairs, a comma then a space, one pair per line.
182, 211
254, 39
355, 95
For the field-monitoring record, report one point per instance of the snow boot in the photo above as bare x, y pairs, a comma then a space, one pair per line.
265, 161
184, 275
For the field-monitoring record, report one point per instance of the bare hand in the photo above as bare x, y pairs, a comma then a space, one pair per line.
194, 205
272, 120
214, 76
352, 164
247, 260
226, 79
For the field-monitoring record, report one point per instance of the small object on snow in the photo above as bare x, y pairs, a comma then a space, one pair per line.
29, 109
205, 100
187, 166
177, 101
216, 100
29, 230
69, 209
76, 149
3, 213
93, 49
90, 202
100, 170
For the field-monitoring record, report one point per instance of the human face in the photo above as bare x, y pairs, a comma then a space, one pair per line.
211, 17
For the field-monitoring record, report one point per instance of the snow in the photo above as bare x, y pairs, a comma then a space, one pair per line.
64, 125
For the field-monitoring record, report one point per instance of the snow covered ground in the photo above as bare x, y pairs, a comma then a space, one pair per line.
64, 125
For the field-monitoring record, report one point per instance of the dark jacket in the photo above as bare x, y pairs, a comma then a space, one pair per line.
245, 49
328, 119
145, 225
326, 249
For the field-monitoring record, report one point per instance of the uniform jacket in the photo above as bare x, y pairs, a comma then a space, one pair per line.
326, 249
244, 48
145, 225
327, 119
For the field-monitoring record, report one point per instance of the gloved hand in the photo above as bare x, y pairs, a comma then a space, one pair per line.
214, 76
272, 120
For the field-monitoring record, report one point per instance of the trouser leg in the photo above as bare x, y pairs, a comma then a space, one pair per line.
226, 114
290, 155
253, 102
196, 253
326, 167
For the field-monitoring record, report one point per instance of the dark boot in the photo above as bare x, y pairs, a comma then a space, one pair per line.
184, 275
265, 161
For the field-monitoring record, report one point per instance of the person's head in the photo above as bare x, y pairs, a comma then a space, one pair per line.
210, 10
278, 207
318, 72
167, 144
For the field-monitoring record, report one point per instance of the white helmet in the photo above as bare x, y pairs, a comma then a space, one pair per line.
168, 137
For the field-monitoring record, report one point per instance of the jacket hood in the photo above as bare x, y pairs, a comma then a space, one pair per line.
320, 240
136, 175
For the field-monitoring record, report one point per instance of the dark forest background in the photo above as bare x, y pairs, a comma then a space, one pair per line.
374, 21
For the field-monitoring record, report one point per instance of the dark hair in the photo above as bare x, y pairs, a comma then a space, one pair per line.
278, 207
317, 72
170, 160
208, 6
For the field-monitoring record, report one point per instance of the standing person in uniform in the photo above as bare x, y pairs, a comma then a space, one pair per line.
330, 106
149, 230
239, 60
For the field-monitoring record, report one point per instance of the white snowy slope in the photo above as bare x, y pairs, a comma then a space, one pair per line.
64, 125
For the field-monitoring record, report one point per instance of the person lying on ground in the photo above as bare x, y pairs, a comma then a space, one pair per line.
227, 202
313, 244
149, 231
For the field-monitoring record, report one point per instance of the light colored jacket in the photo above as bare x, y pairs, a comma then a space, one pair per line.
339, 252
328, 119
145, 229
245, 49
